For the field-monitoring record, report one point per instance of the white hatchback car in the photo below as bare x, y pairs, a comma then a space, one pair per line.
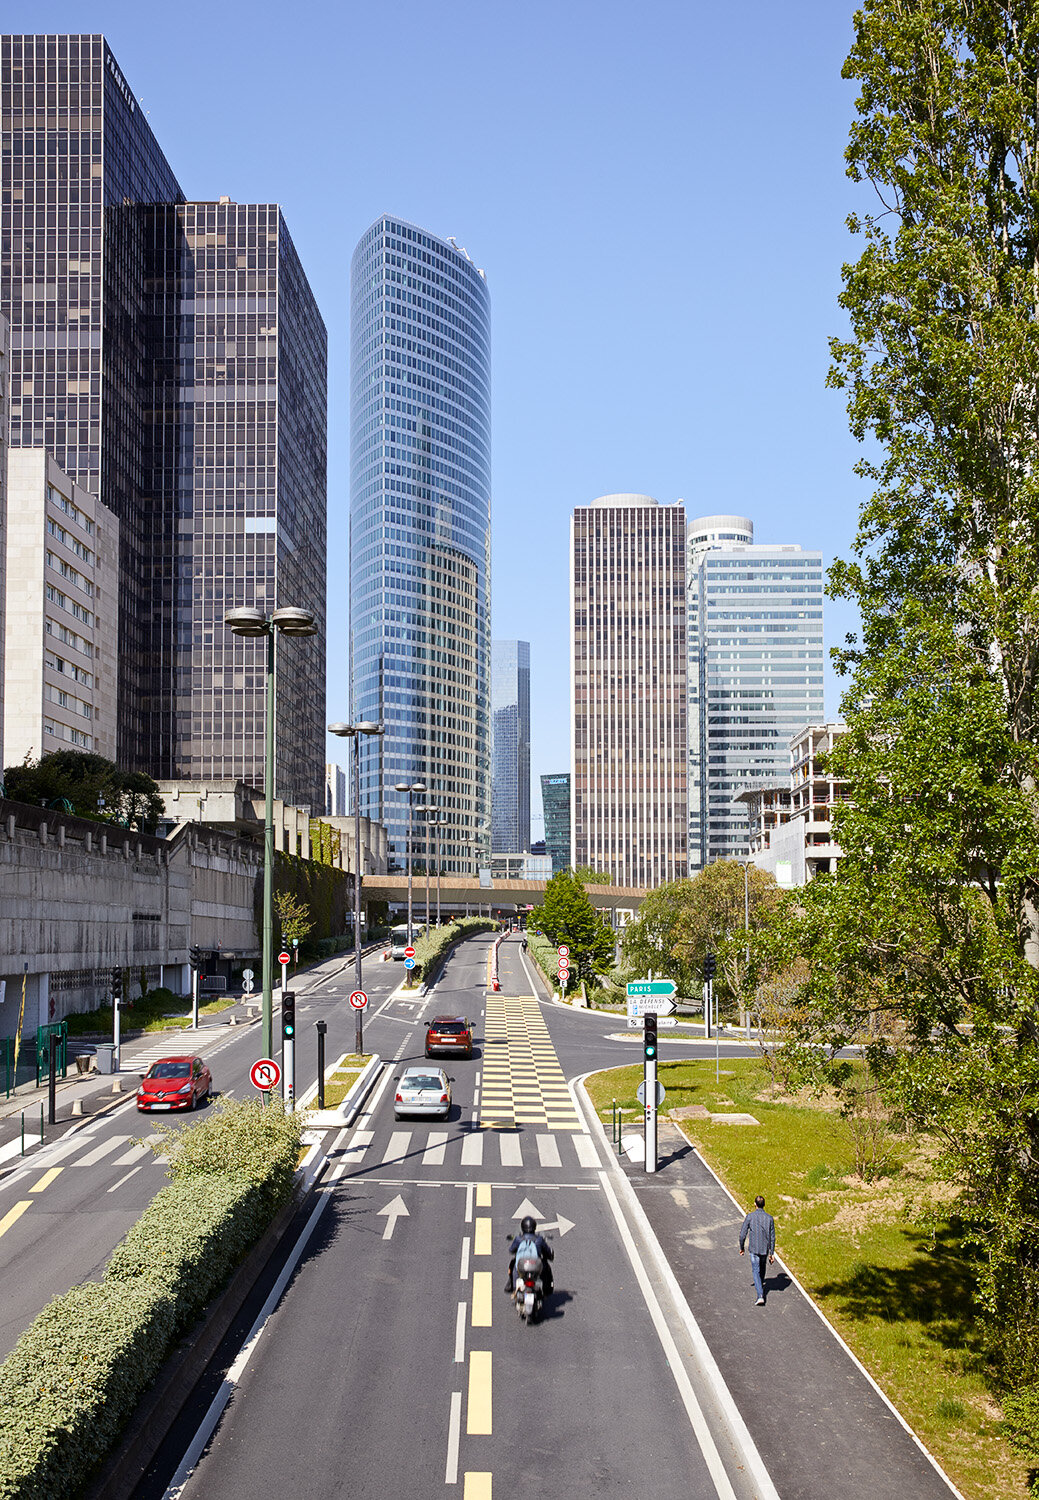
422, 1090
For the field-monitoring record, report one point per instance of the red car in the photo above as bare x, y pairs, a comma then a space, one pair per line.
175, 1083
449, 1034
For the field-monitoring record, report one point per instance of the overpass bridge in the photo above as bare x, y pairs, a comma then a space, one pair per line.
464, 893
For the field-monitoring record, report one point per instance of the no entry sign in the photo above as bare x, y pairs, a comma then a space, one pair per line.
358, 999
265, 1074
409, 953
283, 957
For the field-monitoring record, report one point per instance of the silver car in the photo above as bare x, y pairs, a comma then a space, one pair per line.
422, 1090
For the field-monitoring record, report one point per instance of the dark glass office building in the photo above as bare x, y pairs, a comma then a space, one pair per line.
420, 444
510, 747
158, 392
555, 800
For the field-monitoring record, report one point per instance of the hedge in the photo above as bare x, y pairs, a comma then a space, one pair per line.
430, 950
78, 1371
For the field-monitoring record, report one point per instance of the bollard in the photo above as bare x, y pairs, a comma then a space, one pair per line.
23, 1132
321, 1027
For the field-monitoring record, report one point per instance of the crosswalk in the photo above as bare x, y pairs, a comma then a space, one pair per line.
82, 1150
523, 1083
473, 1148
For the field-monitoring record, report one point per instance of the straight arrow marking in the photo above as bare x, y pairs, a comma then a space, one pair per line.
393, 1211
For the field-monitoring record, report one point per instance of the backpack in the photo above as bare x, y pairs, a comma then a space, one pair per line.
527, 1249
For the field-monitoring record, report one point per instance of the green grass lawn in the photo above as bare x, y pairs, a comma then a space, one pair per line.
159, 1010
901, 1299
340, 1080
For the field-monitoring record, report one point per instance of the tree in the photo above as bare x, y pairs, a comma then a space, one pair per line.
648, 943
567, 916
92, 786
588, 875
293, 916
926, 941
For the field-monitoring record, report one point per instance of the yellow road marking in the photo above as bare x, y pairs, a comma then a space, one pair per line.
478, 1416
483, 1195
46, 1179
477, 1486
482, 1298
482, 1238
14, 1214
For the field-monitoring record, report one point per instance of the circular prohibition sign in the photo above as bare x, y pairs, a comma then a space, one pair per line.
265, 1074
358, 999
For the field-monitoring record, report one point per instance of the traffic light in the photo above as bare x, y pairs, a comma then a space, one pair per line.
288, 1015
649, 1037
195, 958
710, 963
117, 983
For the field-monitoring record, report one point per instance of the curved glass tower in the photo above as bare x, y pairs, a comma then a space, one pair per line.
420, 533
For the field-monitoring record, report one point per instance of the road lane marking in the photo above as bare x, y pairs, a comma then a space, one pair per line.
454, 1428
511, 1150
482, 1243
586, 1152
14, 1214
359, 1144
472, 1149
436, 1145
483, 1195
394, 1210
548, 1151
126, 1177
477, 1486
399, 1142
46, 1180
482, 1298
460, 1335
469, 1191
463, 1274
106, 1147
478, 1414
135, 1153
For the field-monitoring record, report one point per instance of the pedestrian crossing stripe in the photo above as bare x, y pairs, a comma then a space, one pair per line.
522, 1082
473, 1148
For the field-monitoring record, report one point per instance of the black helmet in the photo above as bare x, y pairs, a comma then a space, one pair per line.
529, 1225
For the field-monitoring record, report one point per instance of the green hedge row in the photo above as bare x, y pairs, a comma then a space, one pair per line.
77, 1373
430, 950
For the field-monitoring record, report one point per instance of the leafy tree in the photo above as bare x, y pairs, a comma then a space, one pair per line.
588, 875
926, 941
567, 916
91, 785
648, 943
293, 916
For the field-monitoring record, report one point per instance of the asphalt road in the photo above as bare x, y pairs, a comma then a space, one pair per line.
393, 1363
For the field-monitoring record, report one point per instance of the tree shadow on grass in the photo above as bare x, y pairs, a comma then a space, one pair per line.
936, 1289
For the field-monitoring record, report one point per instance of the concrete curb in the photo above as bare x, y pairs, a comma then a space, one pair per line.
347, 1111
162, 1403
736, 1431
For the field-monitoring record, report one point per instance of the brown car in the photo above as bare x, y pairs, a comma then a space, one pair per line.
449, 1034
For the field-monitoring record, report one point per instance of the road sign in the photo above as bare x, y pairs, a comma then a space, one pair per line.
635, 1023
563, 951
358, 999
265, 1074
650, 1005
409, 953
640, 1093
248, 974
409, 963
247, 984
651, 987
283, 957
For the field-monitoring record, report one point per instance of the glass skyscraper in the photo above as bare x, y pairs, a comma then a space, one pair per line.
510, 742
555, 800
171, 358
420, 440
755, 625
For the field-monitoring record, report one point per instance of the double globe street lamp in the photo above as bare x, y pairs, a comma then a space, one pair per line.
354, 732
250, 621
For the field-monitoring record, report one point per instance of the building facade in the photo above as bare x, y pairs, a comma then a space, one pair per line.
170, 357
510, 746
335, 790
628, 641
63, 578
5, 425
555, 803
420, 431
755, 623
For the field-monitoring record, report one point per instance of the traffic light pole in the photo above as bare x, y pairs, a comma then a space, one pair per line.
194, 999
288, 1049
649, 1054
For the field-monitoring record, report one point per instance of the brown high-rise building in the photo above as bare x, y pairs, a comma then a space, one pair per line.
628, 645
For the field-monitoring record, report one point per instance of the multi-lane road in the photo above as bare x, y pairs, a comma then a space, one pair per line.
391, 1362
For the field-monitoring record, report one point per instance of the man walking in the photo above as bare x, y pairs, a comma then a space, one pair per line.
759, 1228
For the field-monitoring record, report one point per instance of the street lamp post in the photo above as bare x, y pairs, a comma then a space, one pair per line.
249, 621
428, 814
411, 788
438, 823
354, 732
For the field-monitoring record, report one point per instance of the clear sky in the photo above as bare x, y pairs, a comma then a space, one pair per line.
656, 192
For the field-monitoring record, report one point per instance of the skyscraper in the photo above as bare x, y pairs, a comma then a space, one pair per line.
420, 432
629, 689
510, 741
171, 358
755, 619
555, 800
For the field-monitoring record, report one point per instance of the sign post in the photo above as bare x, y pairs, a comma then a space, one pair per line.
283, 959
649, 1102
564, 967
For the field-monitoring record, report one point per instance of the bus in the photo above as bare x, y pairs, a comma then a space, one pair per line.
398, 940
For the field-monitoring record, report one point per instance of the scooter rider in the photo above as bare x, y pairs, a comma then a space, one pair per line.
529, 1231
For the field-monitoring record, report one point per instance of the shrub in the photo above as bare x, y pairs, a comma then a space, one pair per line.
430, 950
1021, 1422
252, 1141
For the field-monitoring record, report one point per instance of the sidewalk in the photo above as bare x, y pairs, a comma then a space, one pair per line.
820, 1425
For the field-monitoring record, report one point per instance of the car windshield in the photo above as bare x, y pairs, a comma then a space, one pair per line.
449, 1028
168, 1070
422, 1081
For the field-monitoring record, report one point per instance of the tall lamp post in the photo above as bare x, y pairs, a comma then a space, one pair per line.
428, 814
411, 787
255, 622
439, 822
354, 732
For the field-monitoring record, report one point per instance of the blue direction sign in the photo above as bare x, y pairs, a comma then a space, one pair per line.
409, 963
665, 987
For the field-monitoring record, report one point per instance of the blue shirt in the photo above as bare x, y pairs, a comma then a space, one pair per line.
760, 1228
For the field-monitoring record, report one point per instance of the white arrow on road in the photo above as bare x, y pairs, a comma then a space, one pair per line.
393, 1211
563, 1225
526, 1207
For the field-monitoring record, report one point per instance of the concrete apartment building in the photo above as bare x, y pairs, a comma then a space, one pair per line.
792, 825
628, 689
62, 563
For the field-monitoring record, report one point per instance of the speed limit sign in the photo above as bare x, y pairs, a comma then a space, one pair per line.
358, 999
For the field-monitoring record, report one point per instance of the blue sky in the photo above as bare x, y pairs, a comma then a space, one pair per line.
657, 195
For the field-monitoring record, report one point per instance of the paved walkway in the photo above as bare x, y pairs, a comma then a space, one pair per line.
820, 1426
